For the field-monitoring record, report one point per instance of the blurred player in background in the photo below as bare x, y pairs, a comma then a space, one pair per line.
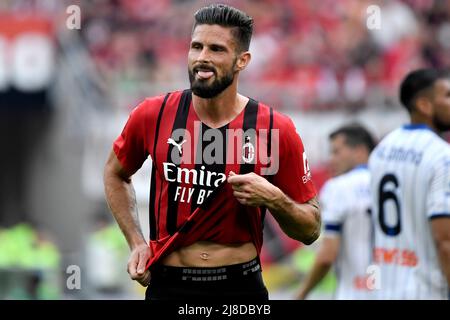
410, 188
345, 200
205, 219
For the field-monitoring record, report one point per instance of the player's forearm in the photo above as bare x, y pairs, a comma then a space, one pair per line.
121, 199
443, 249
298, 221
317, 273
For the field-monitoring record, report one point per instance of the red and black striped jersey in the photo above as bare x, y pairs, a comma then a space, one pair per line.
190, 199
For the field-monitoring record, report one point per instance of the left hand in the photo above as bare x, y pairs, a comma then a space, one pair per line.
253, 190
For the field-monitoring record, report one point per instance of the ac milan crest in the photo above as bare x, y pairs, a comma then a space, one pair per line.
248, 151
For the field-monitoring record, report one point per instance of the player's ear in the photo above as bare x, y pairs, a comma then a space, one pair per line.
424, 105
243, 59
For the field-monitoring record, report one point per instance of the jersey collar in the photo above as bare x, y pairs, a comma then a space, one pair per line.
416, 126
360, 166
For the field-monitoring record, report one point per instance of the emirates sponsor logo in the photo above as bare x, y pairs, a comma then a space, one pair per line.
202, 177
202, 180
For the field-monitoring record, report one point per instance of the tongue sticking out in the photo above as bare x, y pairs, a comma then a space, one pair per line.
205, 74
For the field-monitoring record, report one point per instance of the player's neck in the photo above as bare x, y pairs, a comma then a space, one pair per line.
220, 110
360, 164
418, 119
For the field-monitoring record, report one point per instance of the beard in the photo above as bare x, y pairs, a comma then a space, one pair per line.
204, 90
440, 125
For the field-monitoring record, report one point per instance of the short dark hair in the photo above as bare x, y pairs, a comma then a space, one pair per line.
355, 135
227, 16
417, 82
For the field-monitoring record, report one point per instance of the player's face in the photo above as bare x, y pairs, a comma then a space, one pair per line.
342, 154
211, 60
441, 102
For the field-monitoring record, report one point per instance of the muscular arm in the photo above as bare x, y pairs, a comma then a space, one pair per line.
121, 199
300, 221
441, 234
325, 258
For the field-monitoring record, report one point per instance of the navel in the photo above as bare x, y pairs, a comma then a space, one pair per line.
204, 256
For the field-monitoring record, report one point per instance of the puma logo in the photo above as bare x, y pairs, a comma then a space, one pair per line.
178, 145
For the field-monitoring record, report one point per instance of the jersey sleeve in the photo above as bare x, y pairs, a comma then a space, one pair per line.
293, 176
332, 205
132, 147
438, 199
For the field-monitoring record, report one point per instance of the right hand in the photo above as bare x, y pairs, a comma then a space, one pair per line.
136, 264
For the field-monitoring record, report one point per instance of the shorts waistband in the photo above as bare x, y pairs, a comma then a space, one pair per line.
207, 274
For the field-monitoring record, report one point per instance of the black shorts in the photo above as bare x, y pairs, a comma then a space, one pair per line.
234, 282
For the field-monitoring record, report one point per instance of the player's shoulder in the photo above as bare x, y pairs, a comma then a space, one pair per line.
406, 137
439, 143
332, 189
345, 179
155, 102
429, 148
390, 137
439, 151
150, 106
359, 174
333, 184
427, 141
265, 112
329, 185
282, 121
357, 179
420, 135
285, 125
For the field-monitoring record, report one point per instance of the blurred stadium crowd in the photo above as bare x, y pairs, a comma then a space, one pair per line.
308, 56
